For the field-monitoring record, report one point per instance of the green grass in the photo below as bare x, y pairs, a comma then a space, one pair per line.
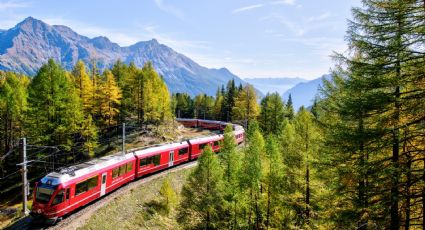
140, 208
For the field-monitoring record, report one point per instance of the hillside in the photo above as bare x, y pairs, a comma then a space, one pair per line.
28, 45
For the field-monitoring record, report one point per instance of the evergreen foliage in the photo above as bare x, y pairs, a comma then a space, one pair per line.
202, 201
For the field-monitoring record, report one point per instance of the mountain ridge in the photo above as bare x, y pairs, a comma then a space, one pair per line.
303, 93
271, 85
28, 45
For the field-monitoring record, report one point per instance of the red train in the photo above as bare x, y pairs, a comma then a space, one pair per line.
60, 193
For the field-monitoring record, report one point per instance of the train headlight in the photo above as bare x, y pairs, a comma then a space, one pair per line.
38, 211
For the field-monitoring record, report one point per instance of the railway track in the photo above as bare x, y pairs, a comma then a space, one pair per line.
79, 217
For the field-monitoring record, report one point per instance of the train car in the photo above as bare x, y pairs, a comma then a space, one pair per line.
60, 193
191, 123
239, 136
152, 159
212, 125
197, 145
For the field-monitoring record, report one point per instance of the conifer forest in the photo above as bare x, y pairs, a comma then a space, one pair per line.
355, 159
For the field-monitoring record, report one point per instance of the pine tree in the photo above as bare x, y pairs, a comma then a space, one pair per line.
272, 113
229, 101
290, 108
202, 195
184, 105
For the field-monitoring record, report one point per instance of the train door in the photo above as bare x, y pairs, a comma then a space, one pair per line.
171, 161
103, 185
67, 196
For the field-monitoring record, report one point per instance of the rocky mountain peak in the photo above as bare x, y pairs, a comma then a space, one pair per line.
31, 43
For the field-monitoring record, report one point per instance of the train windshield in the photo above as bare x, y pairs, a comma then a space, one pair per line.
43, 195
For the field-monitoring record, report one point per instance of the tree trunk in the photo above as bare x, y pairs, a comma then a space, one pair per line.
307, 195
408, 182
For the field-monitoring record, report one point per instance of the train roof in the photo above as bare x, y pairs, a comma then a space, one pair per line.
186, 119
69, 173
205, 139
148, 150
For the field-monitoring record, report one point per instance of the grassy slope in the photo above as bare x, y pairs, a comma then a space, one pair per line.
137, 209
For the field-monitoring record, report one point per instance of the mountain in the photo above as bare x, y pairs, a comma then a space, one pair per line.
271, 85
303, 93
27, 46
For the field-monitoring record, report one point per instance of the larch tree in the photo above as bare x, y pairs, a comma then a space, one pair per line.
110, 99
246, 107
382, 81
251, 178
54, 107
231, 161
84, 86
156, 96
202, 201
168, 195
309, 137
13, 105
273, 184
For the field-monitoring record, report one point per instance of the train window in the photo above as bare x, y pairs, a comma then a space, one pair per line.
67, 194
129, 166
183, 151
43, 195
122, 169
143, 162
92, 182
86, 185
115, 172
156, 160
58, 198
216, 143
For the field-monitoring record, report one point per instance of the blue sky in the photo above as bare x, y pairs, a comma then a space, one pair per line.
252, 38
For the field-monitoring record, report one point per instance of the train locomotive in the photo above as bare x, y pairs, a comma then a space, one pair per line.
60, 193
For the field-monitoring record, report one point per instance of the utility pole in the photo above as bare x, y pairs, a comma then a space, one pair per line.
23, 149
123, 139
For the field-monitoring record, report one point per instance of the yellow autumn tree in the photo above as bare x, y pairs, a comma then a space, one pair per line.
109, 98
84, 86
246, 107
157, 102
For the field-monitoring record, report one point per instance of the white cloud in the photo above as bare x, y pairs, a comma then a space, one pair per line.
321, 17
6, 5
292, 26
246, 8
169, 9
284, 2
